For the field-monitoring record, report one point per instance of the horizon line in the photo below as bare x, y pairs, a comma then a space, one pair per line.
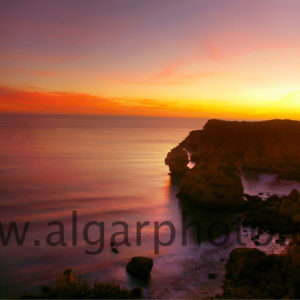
138, 116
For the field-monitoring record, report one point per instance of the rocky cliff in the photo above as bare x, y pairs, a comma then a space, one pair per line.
267, 146
271, 147
214, 184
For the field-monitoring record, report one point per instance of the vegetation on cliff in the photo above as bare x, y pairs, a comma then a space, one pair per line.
67, 287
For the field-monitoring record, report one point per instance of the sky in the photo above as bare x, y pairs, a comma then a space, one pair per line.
237, 59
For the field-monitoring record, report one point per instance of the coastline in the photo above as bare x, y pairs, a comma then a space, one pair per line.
190, 266
220, 152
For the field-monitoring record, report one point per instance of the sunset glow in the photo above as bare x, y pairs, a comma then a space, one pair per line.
228, 59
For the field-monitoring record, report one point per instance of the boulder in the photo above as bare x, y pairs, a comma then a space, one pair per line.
243, 262
140, 267
251, 274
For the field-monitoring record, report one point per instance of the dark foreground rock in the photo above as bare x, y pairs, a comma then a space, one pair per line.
275, 215
67, 287
251, 274
290, 207
140, 267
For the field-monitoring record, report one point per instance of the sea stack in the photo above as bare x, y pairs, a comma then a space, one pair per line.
177, 160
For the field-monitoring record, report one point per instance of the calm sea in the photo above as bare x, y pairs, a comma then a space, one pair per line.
107, 169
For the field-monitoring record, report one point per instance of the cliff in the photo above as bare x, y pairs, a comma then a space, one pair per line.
268, 146
271, 147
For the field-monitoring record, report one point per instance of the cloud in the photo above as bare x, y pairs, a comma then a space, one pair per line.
220, 48
39, 101
34, 100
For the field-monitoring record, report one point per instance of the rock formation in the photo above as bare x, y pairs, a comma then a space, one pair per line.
285, 210
251, 274
290, 207
214, 184
177, 160
220, 151
222, 148
267, 146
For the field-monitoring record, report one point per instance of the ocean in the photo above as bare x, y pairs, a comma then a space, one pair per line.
103, 169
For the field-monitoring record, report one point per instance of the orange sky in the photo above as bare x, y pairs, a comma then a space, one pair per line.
227, 59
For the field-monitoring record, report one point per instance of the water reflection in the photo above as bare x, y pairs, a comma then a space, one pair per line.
202, 225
